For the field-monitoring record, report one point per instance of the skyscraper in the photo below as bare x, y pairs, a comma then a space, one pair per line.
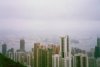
97, 49
20, 56
22, 45
92, 62
28, 60
80, 60
4, 49
55, 60
49, 57
36, 48
10, 53
42, 55
65, 52
98, 62
98, 42
64, 47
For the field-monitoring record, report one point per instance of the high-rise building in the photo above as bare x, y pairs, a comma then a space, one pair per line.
55, 48
80, 60
91, 52
64, 47
10, 53
97, 49
35, 53
98, 62
42, 55
56, 60
20, 57
4, 49
49, 56
92, 62
28, 60
91, 58
65, 52
22, 45
98, 42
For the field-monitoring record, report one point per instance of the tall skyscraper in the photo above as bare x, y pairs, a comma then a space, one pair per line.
65, 52
49, 57
35, 53
4, 49
64, 47
22, 45
98, 42
55, 60
80, 60
42, 55
97, 49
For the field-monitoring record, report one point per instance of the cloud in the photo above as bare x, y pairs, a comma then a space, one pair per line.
58, 15
75, 41
78, 18
52, 9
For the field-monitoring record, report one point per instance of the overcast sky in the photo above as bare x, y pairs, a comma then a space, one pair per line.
52, 16
49, 15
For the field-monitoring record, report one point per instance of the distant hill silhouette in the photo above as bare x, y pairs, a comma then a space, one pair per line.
6, 62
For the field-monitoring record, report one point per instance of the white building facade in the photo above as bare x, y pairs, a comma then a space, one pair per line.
65, 52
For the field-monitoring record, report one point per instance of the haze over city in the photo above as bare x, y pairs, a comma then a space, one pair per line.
47, 20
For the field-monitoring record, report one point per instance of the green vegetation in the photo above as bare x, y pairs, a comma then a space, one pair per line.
6, 62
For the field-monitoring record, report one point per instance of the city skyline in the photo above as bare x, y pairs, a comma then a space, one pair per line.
50, 33
53, 55
32, 20
23, 19
14, 42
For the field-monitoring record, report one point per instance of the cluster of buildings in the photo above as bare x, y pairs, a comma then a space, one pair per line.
51, 55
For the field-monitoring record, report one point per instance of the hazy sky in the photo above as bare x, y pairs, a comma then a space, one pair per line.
51, 16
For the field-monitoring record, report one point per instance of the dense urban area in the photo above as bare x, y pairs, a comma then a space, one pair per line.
53, 55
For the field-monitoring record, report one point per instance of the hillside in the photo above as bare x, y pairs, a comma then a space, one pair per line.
6, 62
